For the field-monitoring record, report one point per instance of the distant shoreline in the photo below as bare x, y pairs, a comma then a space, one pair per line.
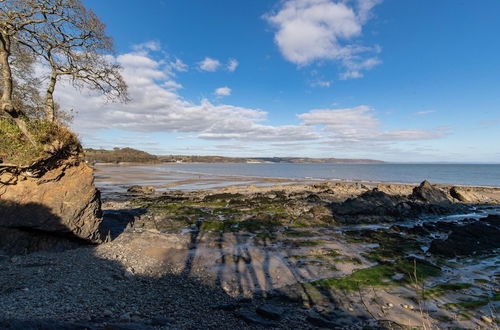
182, 178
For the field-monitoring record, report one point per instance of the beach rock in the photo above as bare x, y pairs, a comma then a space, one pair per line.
146, 190
468, 240
63, 200
428, 193
463, 195
318, 321
373, 201
251, 317
269, 311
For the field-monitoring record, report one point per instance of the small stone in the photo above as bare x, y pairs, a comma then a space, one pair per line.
252, 317
226, 307
390, 305
398, 277
160, 321
350, 309
107, 313
486, 319
269, 311
318, 321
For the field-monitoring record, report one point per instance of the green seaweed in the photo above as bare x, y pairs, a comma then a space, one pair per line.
441, 289
265, 235
381, 275
470, 304
295, 233
306, 243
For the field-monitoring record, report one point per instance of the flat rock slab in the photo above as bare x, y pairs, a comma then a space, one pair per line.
269, 311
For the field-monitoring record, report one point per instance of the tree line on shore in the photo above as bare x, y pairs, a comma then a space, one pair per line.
130, 155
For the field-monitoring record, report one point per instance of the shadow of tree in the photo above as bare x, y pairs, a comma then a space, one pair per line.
115, 222
22, 236
92, 288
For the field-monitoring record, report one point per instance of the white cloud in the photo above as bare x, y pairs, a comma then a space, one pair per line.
354, 67
313, 30
232, 65
178, 65
359, 124
156, 106
148, 45
321, 83
223, 91
209, 64
170, 84
426, 112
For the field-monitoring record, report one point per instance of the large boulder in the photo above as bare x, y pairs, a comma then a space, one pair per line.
372, 202
428, 193
61, 200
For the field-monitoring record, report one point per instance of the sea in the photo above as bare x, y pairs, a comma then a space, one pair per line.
190, 176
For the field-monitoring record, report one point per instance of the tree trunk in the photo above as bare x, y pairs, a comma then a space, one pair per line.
6, 74
50, 108
6, 100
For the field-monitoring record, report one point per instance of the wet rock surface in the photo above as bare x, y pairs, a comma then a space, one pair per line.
469, 239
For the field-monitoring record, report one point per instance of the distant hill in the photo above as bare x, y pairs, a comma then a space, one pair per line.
118, 155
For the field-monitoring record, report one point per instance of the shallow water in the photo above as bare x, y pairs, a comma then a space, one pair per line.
460, 174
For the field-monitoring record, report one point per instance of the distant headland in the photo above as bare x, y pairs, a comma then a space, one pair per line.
130, 155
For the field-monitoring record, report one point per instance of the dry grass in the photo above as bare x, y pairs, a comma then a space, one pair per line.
49, 138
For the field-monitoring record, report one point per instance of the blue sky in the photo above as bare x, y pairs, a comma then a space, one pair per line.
394, 80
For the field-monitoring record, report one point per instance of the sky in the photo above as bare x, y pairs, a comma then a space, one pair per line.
403, 81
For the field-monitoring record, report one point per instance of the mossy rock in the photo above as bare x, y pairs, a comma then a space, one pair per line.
382, 275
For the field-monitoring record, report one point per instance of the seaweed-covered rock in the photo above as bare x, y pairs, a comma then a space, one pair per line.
372, 202
473, 238
146, 190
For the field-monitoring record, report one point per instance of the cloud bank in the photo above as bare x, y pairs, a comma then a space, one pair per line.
156, 106
307, 31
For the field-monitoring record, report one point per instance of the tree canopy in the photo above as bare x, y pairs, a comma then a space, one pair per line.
68, 40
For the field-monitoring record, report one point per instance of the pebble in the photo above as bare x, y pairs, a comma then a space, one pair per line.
486, 319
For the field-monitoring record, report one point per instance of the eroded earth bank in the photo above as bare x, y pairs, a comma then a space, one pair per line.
323, 255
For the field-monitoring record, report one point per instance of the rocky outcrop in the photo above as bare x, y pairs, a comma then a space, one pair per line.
376, 205
428, 193
469, 195
60, 199
144, 190
470, 239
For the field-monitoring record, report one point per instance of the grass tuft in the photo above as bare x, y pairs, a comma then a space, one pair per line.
49, 138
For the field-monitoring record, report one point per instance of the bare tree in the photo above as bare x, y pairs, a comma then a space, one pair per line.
13, 17
26, 83
69, 38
